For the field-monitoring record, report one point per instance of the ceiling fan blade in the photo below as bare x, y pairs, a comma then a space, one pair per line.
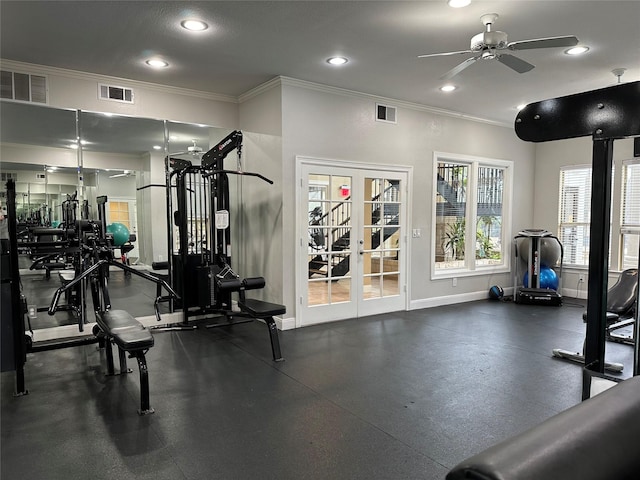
567, 41
458, 68
515, 63
444, 54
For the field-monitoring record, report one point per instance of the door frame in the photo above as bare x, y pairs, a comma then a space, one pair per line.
301, 269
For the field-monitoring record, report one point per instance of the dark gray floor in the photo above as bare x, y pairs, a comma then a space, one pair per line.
395, 396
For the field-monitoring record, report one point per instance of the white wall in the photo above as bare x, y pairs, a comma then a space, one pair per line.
550, 157
79, 90
328, 123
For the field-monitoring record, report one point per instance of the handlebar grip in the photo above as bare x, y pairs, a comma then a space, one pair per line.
54, 302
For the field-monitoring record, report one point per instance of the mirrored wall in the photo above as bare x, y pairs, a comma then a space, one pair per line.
53, 154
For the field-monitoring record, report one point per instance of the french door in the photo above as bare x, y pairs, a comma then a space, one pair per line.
352, 259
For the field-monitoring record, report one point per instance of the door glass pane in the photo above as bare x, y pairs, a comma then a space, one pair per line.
318, 292
381, 237
371, 288
329, 234
390, 285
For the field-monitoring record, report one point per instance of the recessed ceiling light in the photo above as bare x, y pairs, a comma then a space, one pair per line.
157, 147
157, 63
194, 25
580, 49
448, 88
337, 60
458, 3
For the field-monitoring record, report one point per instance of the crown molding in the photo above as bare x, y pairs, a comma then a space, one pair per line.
254, 92
125, 82
388, 101
260, 89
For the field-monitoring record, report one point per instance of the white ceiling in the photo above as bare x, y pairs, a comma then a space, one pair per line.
251, 42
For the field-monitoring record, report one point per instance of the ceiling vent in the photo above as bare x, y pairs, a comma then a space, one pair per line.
385, 113
24, 87
113, 93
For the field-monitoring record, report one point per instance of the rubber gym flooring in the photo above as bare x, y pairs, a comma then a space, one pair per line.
405, 395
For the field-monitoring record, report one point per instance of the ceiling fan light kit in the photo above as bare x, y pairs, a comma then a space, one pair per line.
488, 45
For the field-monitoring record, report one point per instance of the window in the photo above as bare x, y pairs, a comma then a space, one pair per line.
471, 228
575, 214
630, 215
119, 212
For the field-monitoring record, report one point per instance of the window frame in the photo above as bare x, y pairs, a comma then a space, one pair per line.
628, 228
471, 266
561, 204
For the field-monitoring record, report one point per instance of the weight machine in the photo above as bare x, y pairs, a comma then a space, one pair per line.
200, 264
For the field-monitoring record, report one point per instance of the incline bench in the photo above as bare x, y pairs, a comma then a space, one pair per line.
594, 440
131, 337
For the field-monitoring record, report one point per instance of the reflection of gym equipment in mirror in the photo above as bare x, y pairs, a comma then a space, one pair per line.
199, 266
92, 247
538, 268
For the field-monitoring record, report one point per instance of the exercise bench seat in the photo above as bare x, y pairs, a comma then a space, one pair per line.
594, 440
265, 311
131, 337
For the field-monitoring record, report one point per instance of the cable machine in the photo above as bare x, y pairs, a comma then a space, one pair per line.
200, 265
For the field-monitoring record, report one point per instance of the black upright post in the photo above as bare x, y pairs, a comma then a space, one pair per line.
598, 260
17, 315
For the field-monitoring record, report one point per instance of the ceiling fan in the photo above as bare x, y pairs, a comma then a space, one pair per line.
489, 44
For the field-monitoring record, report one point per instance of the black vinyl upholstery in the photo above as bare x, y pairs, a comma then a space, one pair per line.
594, 440
126, 331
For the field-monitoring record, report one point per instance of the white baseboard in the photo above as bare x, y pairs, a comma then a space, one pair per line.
453, 299
286, 323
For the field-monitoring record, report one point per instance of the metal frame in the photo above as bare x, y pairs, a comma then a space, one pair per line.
606, 115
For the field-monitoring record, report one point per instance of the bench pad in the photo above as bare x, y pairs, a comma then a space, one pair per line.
260, 309
126, 331
594, 440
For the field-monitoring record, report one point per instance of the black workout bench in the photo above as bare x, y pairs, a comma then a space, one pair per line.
258, 309
131, 337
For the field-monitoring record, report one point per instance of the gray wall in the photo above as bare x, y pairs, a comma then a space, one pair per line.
337, 125
550, 157
286, 118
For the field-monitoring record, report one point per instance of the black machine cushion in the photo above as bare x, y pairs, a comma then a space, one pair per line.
594, 440
126, 331
622, 296
260, 309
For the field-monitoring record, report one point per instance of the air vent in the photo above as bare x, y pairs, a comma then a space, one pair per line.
385, 113
114, 93
24, 87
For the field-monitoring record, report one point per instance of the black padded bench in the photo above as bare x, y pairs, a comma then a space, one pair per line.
594, 440
265, 311
131, 337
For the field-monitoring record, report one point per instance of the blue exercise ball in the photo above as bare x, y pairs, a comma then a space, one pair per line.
120, 233
548, 278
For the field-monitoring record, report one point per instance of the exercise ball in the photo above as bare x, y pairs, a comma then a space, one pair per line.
550, 251
120, 233
496, 292
548, 278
